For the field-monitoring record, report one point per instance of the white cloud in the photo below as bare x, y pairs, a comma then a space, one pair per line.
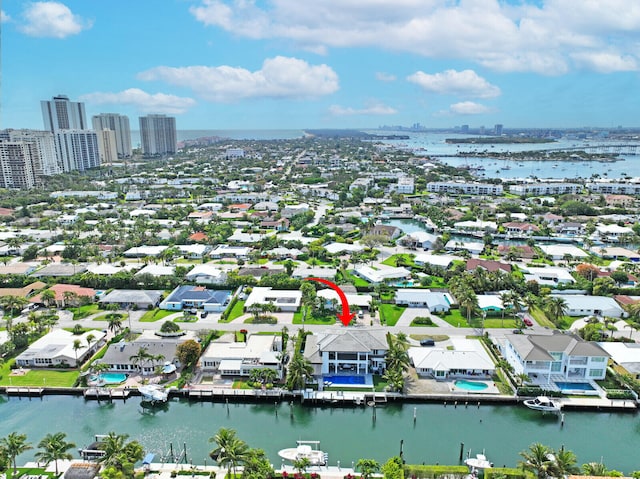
143, 101
465, 83
385, 77
530, 35
51, 19
604, 62
371, 109
279, 77
4, 17
468, 108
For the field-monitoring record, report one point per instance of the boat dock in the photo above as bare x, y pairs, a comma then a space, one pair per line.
106, 393
24, 391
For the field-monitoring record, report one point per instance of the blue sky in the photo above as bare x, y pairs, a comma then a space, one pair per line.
272, 64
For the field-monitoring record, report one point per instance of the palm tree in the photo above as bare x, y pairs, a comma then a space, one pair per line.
367, 467
397, 358
594, 469
115, 322
538, 460
556, 308
90, 339
54, 447
230, 450
469, 302
300, 370
48, 297
142, 357
77, 344
13, 303
522, 379
119, 453
565, 463
13, 445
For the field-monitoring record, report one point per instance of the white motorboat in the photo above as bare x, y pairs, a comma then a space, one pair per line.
543, 403
478, 462
153, 393
304, 450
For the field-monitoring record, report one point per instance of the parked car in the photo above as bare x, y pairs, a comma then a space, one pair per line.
517, 331
528, 322
427, 342
204, 314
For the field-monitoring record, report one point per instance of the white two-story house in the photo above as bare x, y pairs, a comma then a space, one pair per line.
555, 357
347, 351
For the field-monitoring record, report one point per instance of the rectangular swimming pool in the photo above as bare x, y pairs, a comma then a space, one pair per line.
347, 380
562, 385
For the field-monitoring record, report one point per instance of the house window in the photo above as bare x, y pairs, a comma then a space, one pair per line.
596, 373
599, 359
556, 367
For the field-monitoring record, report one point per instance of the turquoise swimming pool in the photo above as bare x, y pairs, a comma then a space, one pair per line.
470, 385
109, 378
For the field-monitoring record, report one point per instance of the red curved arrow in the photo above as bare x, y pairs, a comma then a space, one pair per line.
346, 315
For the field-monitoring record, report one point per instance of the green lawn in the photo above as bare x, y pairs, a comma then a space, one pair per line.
39, 377
28, 471
567, 321
155, 315
540, 318
455, 318
82, 312
236, 312
331, 318
391, 260
356, 280
391, 313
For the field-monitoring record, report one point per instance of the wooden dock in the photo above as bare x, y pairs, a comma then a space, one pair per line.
25, 391
106, 393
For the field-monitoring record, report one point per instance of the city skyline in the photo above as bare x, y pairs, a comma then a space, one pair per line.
273, 65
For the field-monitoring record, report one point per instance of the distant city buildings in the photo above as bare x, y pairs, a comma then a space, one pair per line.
77, 149
62, 114
158, 135
26, 156
464, 188
119, 124
107, 146
76, 146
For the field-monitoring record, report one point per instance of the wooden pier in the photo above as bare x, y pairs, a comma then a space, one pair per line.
106, 393
25, 391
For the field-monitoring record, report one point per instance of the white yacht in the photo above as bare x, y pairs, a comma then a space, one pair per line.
478, 462
153, 393
544, 404
302, 450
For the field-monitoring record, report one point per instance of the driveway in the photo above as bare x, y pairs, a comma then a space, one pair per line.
410, 314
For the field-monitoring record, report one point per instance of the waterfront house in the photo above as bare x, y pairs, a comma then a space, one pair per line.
419, 239
188, 296
625, 355
467, 359
227, 357
121, 356
473, 247
56, 349
392, 232
560, 356
561, 251
441, 260
350, 351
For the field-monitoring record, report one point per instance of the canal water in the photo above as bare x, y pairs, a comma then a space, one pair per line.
346, 434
